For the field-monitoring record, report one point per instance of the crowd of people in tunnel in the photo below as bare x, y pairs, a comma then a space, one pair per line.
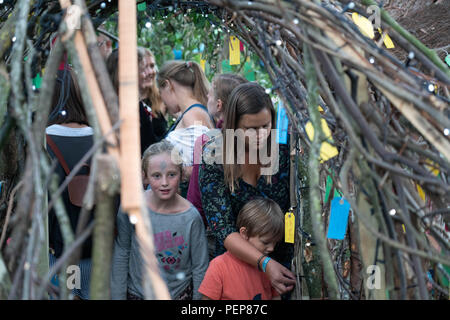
218, 226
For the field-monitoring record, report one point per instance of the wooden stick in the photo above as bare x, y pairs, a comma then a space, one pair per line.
130, 164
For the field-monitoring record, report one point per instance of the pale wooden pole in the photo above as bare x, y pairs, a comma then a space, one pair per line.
132, 199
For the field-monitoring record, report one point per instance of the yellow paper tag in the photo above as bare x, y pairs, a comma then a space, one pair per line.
202, 64
404, 230
327, 150
433, 167
289, 227
235, 51
421, 192
364, 25
386, 39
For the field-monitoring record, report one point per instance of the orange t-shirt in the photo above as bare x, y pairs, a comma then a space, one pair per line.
229, 278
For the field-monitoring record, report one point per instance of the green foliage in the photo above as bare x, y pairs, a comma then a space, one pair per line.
197, 36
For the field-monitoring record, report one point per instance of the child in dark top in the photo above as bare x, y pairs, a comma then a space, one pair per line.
261, 224
69, 138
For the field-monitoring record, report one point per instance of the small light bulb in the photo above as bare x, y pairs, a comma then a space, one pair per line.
278, 42
63, 113
268, 90
148, 25
103, 5
13, 39
392, 212
431, 87
411, 55
296, 21
133, 219
372, 60
351, 5
446, 132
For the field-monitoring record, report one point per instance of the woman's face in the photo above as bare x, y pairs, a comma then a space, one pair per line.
147, 72
257, 128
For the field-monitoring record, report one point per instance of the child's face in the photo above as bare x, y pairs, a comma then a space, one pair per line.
212, 102
163, 176
263, 244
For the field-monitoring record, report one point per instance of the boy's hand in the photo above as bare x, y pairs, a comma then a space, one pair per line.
281, 278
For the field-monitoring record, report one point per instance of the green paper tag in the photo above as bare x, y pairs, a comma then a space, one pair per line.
142, 6
37, 81
447, 59
248, 72
226, 66
328, 186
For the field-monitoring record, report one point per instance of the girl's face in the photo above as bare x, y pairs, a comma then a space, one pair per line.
257, 127
147, 72
163, 176
212, 102
168, 97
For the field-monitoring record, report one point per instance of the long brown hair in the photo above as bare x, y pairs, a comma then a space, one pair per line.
188, 74
113, 70
153, 92
246, 98
67, 104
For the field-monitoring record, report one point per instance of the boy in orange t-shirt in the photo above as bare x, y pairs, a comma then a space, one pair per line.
261, 223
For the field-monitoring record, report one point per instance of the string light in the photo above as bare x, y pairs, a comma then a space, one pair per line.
103, 5
133, 219
446, 132
372, 60
392, 212
295, 21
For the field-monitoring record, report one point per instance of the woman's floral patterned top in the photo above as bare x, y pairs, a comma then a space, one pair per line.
221, 207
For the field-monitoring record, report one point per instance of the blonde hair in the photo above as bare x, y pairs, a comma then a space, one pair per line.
246, 98
262, 217
164, 146
153, 92
188, 74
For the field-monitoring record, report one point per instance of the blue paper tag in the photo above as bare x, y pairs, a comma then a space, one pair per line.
282, 124
337, 227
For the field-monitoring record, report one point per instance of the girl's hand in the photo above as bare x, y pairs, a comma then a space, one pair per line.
281, 278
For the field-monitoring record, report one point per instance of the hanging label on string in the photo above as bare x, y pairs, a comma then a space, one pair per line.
337, 227
327, 150
364, 25
282, 124
203, 64
386, 39
289, 226
235, 52
447, 59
